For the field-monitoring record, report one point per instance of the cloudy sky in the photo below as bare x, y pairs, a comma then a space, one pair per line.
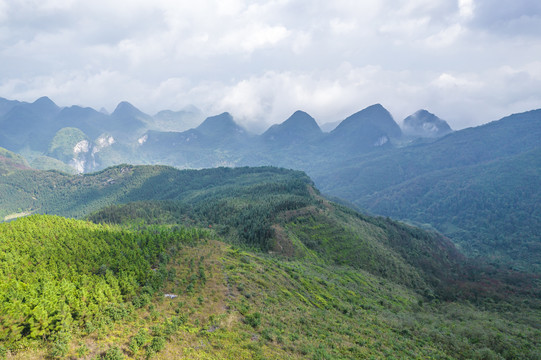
468, 61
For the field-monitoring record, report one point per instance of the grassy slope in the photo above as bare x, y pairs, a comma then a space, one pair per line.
343, 286
245, 305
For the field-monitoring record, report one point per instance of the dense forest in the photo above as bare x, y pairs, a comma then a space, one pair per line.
62, 278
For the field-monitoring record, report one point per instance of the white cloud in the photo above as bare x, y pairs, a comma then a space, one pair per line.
445, 37
466, 8
252, 37
466, 60
339, 26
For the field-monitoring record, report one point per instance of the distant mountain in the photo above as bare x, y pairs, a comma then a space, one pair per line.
364, 160
425, 124
480, 186
375, 116
218, 141
29, 125
128, 122
299, 128
6, 105
364, 131
330, 126
168, 120
221, 127
10, 161
88, 120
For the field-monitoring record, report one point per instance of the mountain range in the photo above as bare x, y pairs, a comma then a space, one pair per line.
478, 186
151, 261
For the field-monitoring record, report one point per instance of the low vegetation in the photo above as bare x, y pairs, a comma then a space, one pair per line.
163, 292
240, 263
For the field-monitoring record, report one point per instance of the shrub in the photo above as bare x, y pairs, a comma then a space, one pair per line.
113, 353
253, 319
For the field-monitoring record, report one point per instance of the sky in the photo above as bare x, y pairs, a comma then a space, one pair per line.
467, 61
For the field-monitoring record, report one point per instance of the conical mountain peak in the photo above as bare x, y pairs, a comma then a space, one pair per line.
425, 124
303, 120
220, 125
125, 108
45, 104
374, 116
299, 127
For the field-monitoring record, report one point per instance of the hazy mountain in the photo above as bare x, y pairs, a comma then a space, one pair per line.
299, 128
168, 120
29, 124
478, 185
425, 124
220, 127
10, 161
6, 105
218, 141
330, 126
127, 122
366, 130
90, 121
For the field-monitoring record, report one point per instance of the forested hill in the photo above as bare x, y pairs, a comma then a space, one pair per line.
479, 186
73, 289
264, 208
245, 262
10, 161
78, 195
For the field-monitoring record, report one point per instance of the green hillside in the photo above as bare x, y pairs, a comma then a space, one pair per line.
9, 162
48, 163
261, 266
96, 291
262, 208
479, 186
475, 207
63, 146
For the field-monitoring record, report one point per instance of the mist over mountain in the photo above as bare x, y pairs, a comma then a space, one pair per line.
182, 120
470, 244
425, 124
367, 160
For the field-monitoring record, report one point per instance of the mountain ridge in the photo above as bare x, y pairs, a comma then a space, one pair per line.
358, 161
